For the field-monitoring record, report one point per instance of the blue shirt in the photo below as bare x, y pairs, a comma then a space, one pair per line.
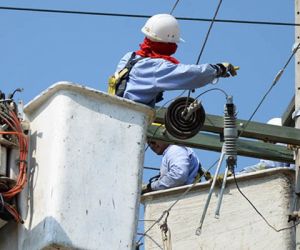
150, 76
179, 167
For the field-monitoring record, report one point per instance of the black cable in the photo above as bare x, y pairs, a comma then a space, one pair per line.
221, 90
238, 21
150, 168
254, 112
259, 213
276, 79
171, 12
205, 41
208, 32
147, 16
212, 89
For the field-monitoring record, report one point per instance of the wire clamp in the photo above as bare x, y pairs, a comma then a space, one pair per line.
294, 216
296, 114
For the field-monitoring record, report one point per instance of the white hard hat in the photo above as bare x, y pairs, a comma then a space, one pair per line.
275, 121
162, 28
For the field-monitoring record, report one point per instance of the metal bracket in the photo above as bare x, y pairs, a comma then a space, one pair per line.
294, 216
296, 114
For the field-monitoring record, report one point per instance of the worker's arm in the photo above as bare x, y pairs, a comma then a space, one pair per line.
165, 75
169, 76
174, 170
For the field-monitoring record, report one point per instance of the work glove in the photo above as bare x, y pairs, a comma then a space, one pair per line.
220, 178
146, 188
226, 69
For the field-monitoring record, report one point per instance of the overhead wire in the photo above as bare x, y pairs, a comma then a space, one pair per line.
208, 32
204, 44
274, 82
146, 16
151, 168
173, 8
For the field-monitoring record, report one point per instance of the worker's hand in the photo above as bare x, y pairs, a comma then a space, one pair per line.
146, 188
227, 70
219, 180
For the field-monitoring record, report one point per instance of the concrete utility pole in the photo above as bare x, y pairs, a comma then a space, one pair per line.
297, 112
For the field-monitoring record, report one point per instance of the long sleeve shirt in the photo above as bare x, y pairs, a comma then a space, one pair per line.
179, 167
150, 76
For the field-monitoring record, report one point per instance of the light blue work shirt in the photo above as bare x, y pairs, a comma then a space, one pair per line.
266, 164
179, 167
150, 76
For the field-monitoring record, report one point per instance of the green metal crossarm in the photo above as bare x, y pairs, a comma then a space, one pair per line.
212, 142
255, 130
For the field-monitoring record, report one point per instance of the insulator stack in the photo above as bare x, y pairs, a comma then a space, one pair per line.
230, 133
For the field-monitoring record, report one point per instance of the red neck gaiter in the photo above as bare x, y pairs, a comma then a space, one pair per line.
158, 50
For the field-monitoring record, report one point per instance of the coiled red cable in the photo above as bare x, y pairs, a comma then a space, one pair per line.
14, 124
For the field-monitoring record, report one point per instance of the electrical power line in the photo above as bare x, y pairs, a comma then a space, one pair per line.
203, 46
208, 32
274, 82
151, 168
146, 16
171, 12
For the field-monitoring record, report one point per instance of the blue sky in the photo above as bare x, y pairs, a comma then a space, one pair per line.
39, 49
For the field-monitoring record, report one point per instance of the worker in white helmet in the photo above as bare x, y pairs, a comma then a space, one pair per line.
266, 164
143, 75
